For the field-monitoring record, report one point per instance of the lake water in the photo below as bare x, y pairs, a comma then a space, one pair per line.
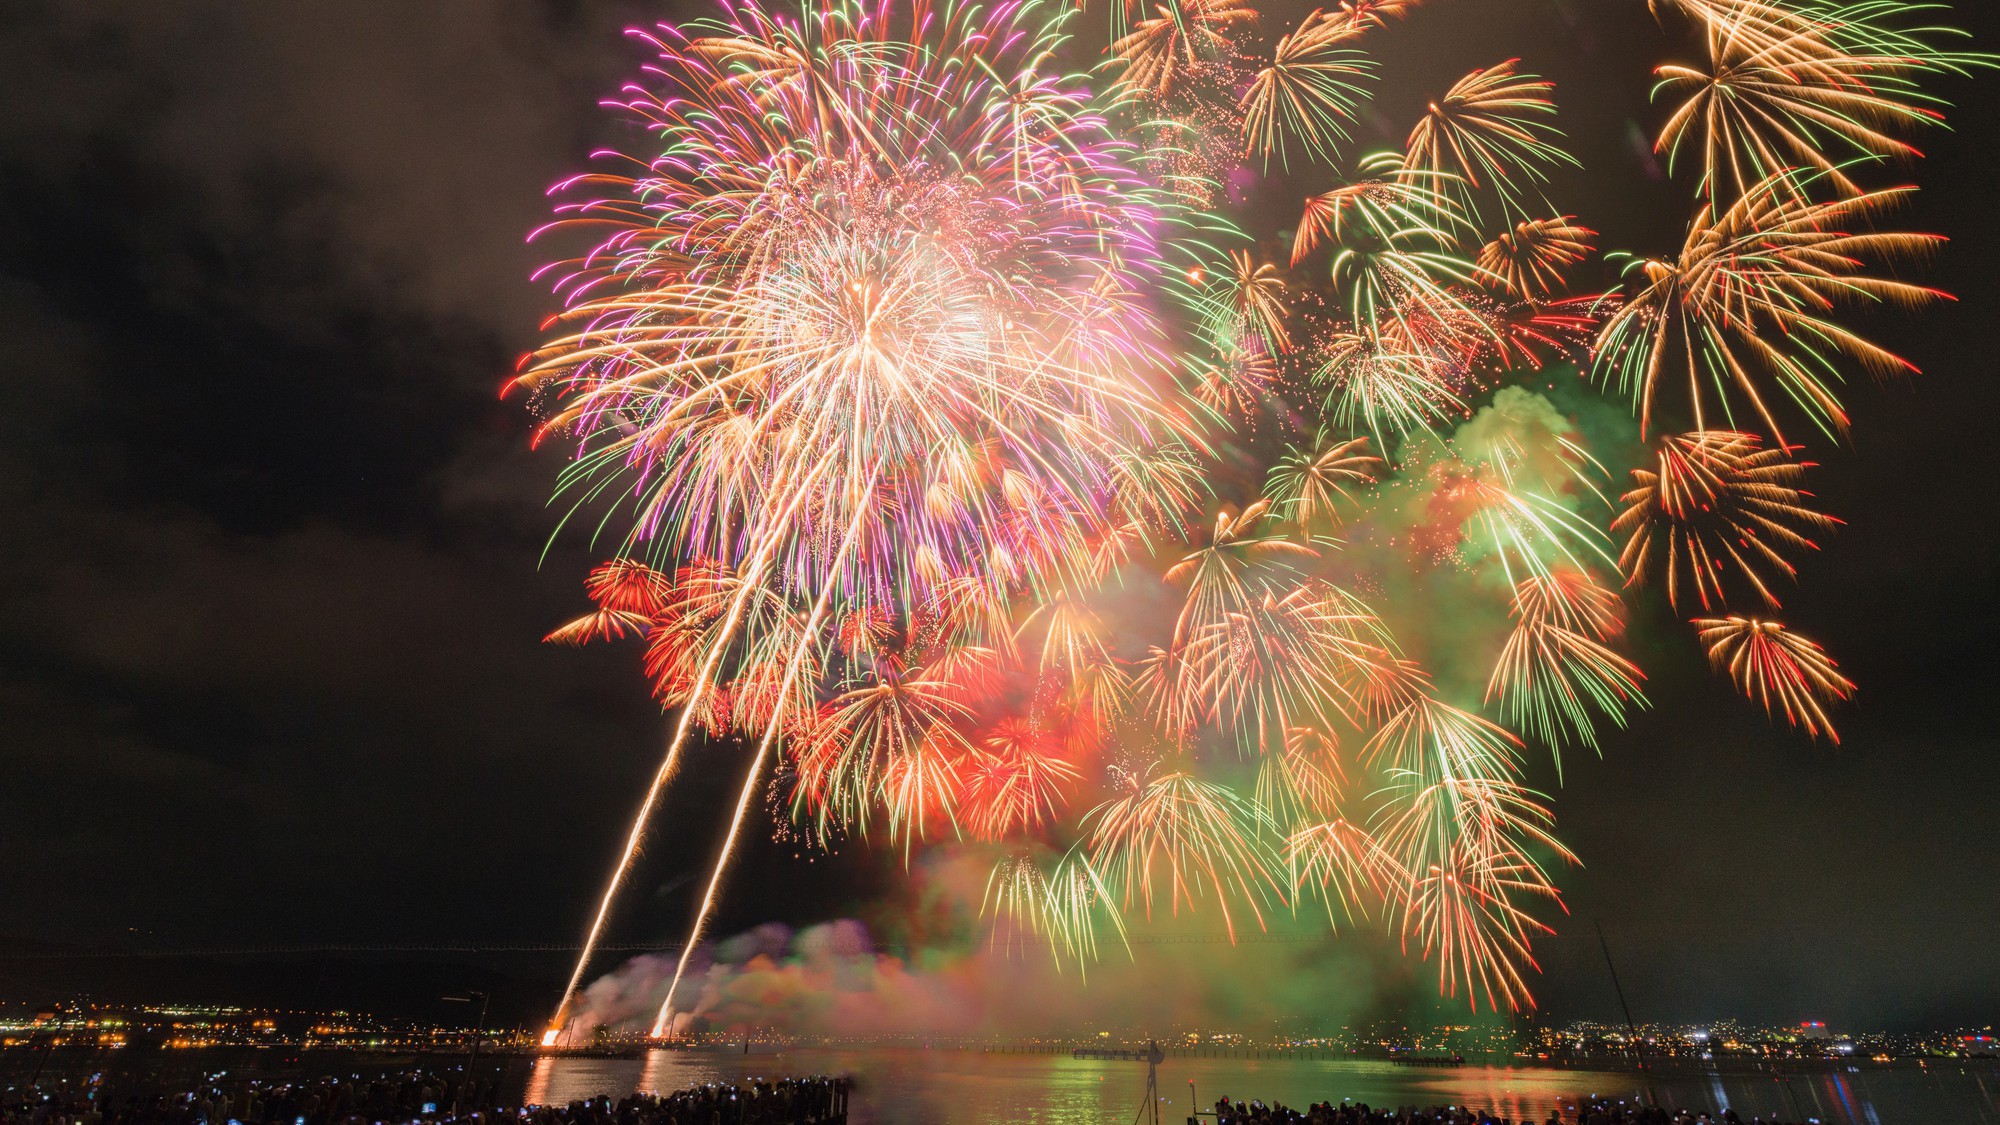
917, 1086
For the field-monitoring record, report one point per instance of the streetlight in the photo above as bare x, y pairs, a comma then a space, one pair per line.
472, 1058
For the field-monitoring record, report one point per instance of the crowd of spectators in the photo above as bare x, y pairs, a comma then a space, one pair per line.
426, 1098
419, 1098
1358, 1113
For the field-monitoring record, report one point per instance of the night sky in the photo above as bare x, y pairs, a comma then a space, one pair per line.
272, 570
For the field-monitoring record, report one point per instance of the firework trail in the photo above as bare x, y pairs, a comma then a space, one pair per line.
1557, 675
1716, 505
1779, 669
752, 778
908, 361
1742, 310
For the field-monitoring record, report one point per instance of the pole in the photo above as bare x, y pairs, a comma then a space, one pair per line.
1630, 1028
50, 1049
472, 1056
1154, 1056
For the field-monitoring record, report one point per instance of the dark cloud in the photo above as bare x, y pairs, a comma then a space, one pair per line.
272, 569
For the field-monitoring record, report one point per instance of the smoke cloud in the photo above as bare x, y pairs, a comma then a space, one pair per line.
839, 979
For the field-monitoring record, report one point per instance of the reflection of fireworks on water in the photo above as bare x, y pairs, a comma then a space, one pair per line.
898, 367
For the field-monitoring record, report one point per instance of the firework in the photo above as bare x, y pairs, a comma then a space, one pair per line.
1812, 89
1237, 383
1064, 904
1744, 306
1251, 304
1283, 663
1490, 131
1777, 669
1526, 335
775, 719
1459, 833
1075, 670
1168, 835
1509, 499
1464, 912
1300, 780
1257, 646
1388, 384
1363, 14
1344, 865
1556, 675
1308, 482
801, 327
1018, 778
1179, 42
1758, 110
865, 290
1392, 238
1225, 576
1307, 93
1528, 261
1718, 509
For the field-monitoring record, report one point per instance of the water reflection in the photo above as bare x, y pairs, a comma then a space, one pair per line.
948, 1087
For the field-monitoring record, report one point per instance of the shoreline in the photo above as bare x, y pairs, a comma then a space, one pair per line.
11, 1057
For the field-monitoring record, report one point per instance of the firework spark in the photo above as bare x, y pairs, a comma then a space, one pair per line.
1490, 131
1777, 669
1744, 306
1719, 508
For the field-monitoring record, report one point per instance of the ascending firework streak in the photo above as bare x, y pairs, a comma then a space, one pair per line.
751, 777
907, 351
702, 682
